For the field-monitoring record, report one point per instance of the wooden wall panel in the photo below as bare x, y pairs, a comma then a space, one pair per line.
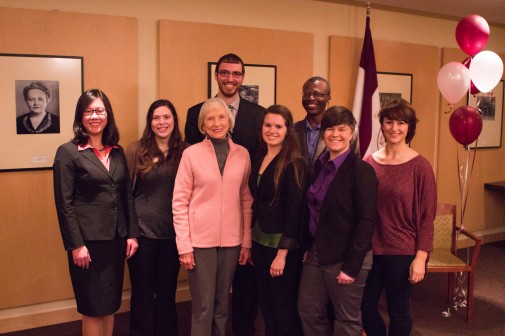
185, 48
33, 259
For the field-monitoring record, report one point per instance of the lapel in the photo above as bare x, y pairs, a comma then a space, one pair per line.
320, 148
90, 156
301, 131
269, 172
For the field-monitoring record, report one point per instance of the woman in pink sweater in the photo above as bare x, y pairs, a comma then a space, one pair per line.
212, 217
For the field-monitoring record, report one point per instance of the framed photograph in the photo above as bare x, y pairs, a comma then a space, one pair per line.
38, 95
490, 106
259, 85
394, 86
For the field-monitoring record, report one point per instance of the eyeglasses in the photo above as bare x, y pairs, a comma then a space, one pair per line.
99, 111
315, 94
226, 73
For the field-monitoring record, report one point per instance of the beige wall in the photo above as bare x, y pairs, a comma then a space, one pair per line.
126, 48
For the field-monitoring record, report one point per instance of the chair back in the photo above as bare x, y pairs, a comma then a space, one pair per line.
445, 222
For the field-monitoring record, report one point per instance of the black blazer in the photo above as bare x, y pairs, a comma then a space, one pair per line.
246, 131
301, 136
91, 202
285, 215
348, 215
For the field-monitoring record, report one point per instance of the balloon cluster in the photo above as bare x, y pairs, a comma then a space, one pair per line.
480, 72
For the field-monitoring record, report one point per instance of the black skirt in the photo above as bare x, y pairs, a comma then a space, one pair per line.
98, 289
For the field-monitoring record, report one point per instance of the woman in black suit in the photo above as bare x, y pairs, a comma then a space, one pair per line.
277, 183
342, 213
95, 210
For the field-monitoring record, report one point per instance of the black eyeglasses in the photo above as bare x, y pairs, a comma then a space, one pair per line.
99, 111
315, 94
226, 73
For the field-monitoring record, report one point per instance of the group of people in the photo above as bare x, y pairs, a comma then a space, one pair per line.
284, 215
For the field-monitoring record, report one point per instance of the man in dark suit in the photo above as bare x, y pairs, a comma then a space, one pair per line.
229, 75
316, 95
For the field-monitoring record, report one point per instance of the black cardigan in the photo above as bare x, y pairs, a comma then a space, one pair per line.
284, 216
348, 215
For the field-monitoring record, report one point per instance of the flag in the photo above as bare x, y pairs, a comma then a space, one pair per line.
366, 98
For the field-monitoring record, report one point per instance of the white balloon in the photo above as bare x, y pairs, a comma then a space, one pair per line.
486, 70
453, 81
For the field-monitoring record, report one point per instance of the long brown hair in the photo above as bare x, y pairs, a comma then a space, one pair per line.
289, 153
149, 153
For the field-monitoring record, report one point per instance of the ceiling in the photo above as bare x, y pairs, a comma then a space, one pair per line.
491, 10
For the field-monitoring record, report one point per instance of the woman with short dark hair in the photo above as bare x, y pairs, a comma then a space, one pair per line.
342, 203
403, 237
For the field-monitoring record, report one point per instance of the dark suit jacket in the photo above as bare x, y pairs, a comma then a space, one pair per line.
285, 215
92, 203
245, 133
301, 135
348, 215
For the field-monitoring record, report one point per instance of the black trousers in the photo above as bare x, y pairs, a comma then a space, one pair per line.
244, 301
278, 296
153, 275
389, 273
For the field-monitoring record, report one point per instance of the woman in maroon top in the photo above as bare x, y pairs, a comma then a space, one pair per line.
403, 237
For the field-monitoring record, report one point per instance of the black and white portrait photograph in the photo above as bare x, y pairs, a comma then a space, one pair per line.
486, 106
37, 107
250, 93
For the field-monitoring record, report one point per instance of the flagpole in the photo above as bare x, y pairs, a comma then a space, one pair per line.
368, 9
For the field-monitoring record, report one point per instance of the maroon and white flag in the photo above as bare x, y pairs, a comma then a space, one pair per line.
366, 99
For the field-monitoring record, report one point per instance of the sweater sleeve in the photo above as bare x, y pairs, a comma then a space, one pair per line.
246, 201
180, 204
131, 155
426, 192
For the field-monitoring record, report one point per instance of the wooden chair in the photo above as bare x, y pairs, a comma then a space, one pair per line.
445, 259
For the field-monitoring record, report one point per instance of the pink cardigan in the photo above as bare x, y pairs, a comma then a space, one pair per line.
211, 210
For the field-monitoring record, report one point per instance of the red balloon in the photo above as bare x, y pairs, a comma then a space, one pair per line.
465, 125
472, 34
473, 88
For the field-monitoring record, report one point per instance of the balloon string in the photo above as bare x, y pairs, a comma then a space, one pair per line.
464, 180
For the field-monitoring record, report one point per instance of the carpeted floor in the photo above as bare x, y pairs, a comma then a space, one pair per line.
428, 302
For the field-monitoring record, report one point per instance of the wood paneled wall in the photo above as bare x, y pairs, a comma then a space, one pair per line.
34, 266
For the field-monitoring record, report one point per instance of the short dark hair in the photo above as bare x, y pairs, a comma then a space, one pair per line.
230, 58
37, 86
400, 109
110, 136
315, 79
337, 115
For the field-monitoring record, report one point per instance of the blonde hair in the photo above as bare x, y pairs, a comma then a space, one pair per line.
214, 103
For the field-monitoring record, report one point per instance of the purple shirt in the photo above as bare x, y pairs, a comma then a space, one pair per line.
312, 139
317, 190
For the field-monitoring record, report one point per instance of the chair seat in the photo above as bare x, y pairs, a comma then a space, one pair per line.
444, 261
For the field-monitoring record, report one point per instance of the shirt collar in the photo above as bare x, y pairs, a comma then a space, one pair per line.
309, 128
336, 161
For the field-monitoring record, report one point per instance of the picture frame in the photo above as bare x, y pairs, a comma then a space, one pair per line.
490, 106
48, 85
393, 86
259, 85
